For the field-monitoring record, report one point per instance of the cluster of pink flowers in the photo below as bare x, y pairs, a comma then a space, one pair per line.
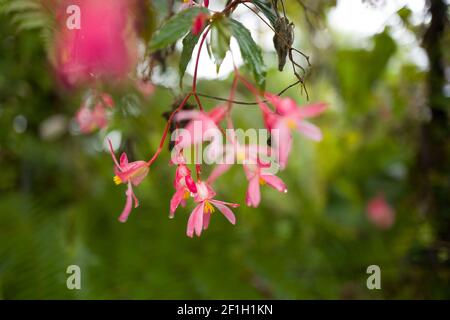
106, 48
284, 117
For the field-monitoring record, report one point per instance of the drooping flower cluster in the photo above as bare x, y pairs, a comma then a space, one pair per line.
105, 50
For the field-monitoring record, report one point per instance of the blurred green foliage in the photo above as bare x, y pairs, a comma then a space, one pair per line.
59, 206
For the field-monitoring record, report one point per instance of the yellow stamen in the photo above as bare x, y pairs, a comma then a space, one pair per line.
208, 208
186, 195
261, 181
117, 180
291, 124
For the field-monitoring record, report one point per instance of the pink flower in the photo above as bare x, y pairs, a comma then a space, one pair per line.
93, 118
380, 213
201, 215
184, 186
258, 175
130, 173
290, 116
256, 171
199, 23
103, 47
201, 127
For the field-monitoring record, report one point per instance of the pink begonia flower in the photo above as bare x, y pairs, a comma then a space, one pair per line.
256, 171
90, 119
289, 116
380, 213
130, 173
201, 127
201, 215
258, 175
184, 186
103, 47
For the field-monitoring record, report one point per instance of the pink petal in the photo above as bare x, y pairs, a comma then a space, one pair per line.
225, 210
175, 201
274, 182
186, 115
283, 143
206, 219
190, 184
194, 220
253, 196
123, 159
311, 110
126, 211
309, 130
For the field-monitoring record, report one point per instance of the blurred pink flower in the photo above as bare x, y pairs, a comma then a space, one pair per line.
201, 127
130, 173
380, 213
104, 47
146, 88
201, 215
90, 119
289, 116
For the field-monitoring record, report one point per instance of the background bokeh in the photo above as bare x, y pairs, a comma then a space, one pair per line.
386, 131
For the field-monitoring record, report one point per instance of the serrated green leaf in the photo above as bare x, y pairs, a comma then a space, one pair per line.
175, 28
189, 43
250, 51
220, 40
266, 9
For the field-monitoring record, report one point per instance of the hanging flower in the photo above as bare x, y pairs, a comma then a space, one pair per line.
257, 174
202, 126
201, 215
131, 174
289, 116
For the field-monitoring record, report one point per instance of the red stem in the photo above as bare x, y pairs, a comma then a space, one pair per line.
166, 129
202, 41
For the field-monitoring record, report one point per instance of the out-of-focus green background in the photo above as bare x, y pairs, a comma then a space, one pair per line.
386, 131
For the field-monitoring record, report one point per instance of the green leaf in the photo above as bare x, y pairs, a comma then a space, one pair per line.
189, 43
250, 51
266, 9
220, 40
175, 28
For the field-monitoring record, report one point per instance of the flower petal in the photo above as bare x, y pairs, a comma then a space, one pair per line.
283, 144
311, 110
206, 219
225, 210
253, 196
186, 115
274, 182
309, 130
123, 159
193, 220
126, 211
175, 201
